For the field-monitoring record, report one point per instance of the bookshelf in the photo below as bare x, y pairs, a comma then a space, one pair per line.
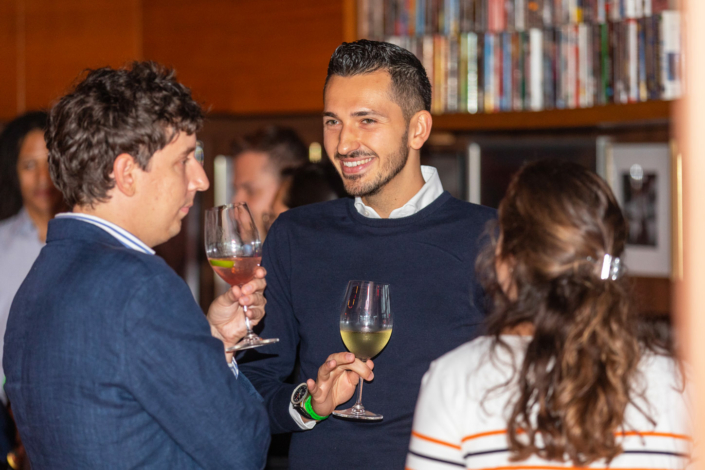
629, 115
536, 64
597, 116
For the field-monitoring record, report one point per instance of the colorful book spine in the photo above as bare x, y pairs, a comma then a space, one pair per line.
671, 55
473, 97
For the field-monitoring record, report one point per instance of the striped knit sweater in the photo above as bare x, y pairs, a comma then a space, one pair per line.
458, 425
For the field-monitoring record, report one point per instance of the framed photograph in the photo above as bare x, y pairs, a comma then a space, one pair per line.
640, 176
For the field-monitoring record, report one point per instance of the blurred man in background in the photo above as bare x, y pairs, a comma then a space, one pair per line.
259, 160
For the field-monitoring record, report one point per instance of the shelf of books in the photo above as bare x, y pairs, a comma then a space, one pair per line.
537, 63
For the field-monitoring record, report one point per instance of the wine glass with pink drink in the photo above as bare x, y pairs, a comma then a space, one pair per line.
234, 251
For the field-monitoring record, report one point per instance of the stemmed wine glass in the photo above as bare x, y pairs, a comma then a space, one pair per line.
234, 251
365, 325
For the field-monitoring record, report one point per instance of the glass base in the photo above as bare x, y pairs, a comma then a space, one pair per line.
250, 342
352, 413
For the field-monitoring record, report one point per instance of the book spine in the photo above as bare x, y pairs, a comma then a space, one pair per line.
421, 17
652, 58
641, 51
473, 97
497, 72
520, 15
648, 8
481, 74
671, 54
601, 13
517, 72
489, 72
536, 60
633, 61
452, 77
463, 73
582, 66
546, 82
507, 90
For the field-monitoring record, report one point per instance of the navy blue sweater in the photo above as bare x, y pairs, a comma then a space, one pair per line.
310, 254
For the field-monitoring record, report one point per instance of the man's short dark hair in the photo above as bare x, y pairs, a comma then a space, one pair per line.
283, 147
411, 89
136, 110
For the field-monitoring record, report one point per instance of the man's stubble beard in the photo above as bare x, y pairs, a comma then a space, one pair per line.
393, 166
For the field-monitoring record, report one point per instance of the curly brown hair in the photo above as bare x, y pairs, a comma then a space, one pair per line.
577, 378
136, 110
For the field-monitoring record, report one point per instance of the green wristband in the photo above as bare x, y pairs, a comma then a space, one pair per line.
309, 410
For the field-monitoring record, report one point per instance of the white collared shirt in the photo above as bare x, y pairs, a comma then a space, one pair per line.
426, 195
120, 234
431, 189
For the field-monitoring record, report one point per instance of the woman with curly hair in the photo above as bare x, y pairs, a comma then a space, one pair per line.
566, 376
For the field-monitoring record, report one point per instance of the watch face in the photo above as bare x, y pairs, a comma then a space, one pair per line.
299, 394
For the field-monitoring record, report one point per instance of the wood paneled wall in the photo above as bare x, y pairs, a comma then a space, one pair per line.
46, 44
238, 56
246, 57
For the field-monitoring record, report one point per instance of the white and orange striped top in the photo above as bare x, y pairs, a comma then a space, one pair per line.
459, 425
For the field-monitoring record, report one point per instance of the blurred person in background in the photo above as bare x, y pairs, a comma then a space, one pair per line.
28, 200
567, 375
307, 184
259, 161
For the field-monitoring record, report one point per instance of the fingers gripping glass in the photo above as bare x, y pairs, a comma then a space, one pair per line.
234, 251
366, 326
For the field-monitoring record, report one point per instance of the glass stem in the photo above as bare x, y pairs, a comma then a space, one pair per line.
358, 408
247, 321
358, 404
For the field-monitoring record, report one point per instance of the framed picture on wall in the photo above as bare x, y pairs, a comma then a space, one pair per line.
640, 176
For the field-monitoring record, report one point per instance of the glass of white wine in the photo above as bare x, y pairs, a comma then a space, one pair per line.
366, 326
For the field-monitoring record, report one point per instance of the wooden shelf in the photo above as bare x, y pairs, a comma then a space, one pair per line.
598, 116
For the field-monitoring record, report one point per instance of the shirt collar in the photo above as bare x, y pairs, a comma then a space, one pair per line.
25, 224
431, 189
120, 234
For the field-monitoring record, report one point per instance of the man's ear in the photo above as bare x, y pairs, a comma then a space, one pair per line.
419, 129
125, 174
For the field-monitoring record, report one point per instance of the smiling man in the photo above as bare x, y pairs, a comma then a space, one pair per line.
401, 228
110, 363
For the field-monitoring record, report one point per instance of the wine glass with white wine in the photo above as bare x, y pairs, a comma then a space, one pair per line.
366, 326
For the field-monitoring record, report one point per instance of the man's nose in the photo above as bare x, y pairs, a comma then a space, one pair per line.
198, 180
348, 141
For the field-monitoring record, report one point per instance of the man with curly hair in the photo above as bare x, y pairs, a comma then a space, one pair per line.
110, 363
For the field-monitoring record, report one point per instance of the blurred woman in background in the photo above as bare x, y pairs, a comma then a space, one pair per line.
28, 200
566, 376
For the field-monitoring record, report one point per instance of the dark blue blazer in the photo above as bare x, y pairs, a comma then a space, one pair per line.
111, 364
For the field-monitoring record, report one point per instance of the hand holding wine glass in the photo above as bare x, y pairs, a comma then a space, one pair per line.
234, 251
365, 326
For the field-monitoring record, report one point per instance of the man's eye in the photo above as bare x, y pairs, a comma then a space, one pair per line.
331, 122
368, 121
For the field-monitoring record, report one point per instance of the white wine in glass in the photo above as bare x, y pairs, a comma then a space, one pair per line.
234, 251
365, 326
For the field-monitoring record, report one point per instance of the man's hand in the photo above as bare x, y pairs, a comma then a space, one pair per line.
336, 381
226, 315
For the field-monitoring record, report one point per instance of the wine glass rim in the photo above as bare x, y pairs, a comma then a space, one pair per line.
228, 206
371, 282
